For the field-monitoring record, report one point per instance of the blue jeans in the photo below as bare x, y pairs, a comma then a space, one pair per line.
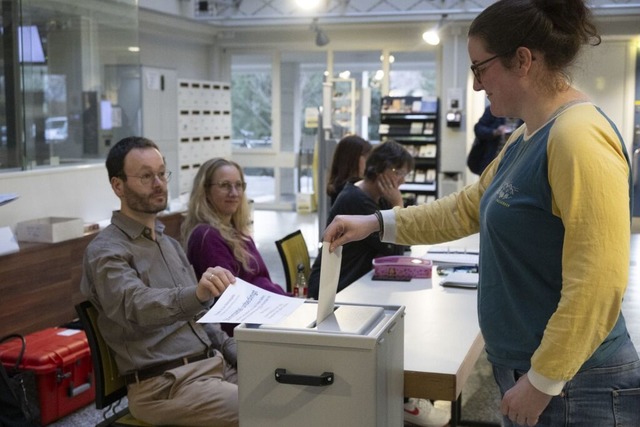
605, 396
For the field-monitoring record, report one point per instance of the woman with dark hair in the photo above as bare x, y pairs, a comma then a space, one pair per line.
553, 211
385, 169
348, 163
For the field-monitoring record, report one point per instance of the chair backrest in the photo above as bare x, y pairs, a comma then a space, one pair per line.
293, 251
110, 386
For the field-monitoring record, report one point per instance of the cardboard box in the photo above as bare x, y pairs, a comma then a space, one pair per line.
306, 202
61, 360
49, 230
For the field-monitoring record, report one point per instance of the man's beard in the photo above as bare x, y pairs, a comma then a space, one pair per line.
142, 202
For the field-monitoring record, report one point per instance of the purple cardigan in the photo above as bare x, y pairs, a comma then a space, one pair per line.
207, 248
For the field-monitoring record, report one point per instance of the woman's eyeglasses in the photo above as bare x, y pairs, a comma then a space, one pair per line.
227, 186
477, 71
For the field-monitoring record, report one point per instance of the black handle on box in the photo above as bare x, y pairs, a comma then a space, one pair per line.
324, 379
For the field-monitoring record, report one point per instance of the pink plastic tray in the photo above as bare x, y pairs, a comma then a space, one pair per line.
402, 266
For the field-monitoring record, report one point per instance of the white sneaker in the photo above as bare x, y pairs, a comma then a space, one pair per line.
421, 412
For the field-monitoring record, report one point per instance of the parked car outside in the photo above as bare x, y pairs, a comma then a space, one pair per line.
56, 129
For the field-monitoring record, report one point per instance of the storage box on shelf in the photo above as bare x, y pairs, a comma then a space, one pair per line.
414, 122
49, 229
204, 126
306, 202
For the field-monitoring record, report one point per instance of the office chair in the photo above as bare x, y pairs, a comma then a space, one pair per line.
110, 386
293, 251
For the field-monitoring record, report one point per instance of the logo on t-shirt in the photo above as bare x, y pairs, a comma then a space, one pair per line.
506, 191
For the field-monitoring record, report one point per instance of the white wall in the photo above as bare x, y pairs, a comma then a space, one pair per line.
191, 61
454, 72
80, 192
606, 73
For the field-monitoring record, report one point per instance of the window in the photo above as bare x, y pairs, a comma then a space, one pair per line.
364, 68
251, 101
413, 74
53, 95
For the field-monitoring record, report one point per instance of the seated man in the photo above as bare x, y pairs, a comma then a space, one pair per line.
178, 372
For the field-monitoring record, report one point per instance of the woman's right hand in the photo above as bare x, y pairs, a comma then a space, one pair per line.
348, 228
388, 185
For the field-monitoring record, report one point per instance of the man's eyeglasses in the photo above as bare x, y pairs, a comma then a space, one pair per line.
148, 178
227, 186
477, 71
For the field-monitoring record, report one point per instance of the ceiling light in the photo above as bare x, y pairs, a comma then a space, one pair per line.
392, 59
133, 49
308, 4
432, 36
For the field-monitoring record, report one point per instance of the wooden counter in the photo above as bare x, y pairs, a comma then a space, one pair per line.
40, 284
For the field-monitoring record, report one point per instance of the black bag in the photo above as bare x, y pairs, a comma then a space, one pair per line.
476, 156
19, 404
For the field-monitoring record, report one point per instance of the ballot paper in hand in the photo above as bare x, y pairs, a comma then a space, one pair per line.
329, 276
243, 302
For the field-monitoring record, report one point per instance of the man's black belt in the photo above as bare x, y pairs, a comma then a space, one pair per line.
161, 368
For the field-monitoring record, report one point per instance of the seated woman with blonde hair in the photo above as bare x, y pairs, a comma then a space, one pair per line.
216, 230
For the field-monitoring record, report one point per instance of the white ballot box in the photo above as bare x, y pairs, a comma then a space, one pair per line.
348, 370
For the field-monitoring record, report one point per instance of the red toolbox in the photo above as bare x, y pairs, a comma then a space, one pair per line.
61, 359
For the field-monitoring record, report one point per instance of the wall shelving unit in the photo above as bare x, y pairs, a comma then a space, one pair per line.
413, 122
204, 126
343, 107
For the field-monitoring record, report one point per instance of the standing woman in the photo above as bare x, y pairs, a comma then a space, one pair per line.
553, 212
216, 230
348, 163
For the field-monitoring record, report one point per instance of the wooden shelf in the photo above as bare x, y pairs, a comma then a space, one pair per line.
41, 283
